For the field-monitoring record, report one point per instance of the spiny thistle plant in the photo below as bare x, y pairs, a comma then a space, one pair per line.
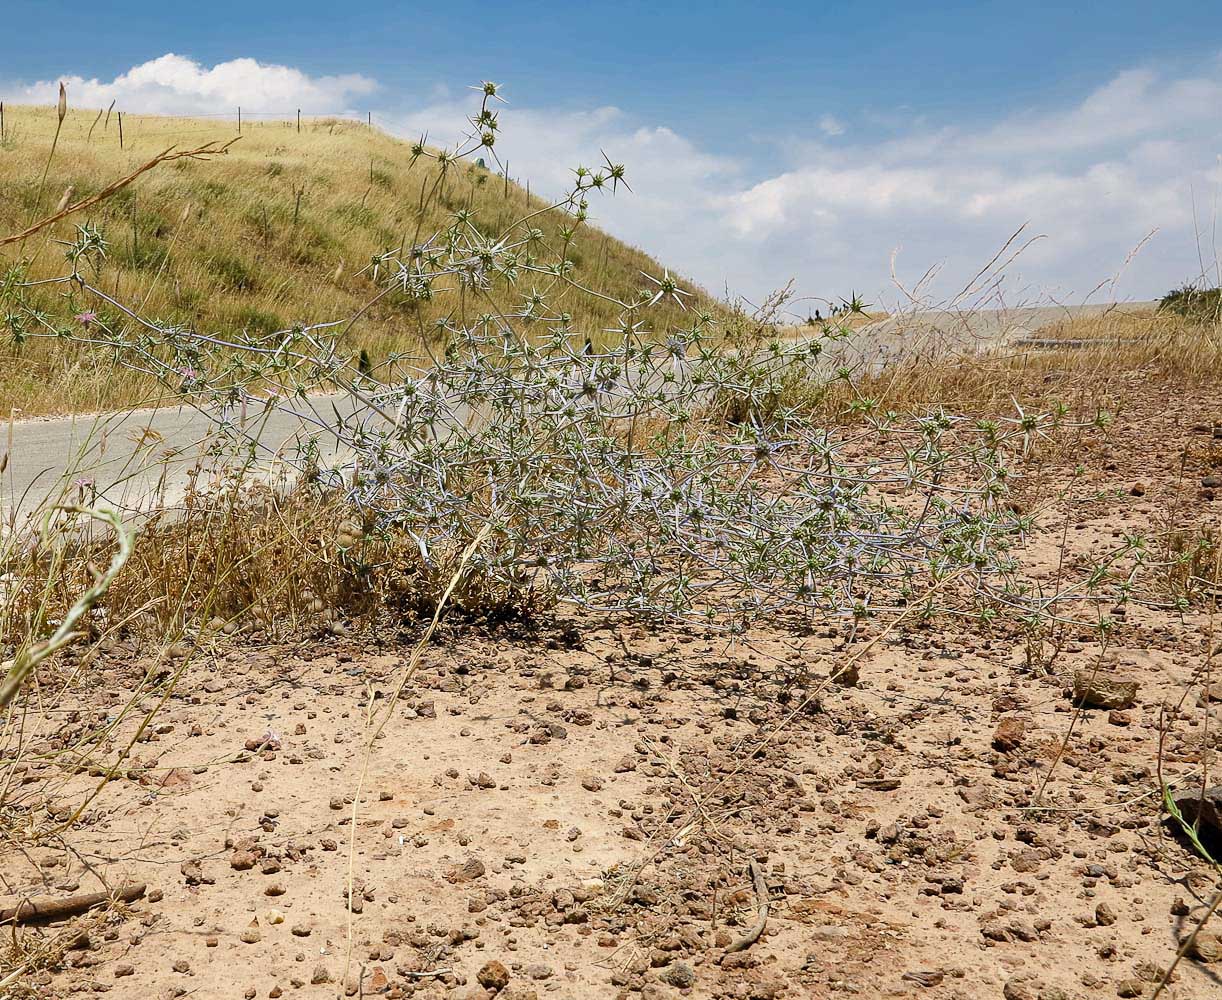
658, 476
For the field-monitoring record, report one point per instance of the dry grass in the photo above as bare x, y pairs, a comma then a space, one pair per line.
274, 233
241, 558
1085, 363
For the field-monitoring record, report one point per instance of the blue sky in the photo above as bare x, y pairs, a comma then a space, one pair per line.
767, 140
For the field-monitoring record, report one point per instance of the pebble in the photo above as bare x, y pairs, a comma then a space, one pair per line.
493, 976
1093, 688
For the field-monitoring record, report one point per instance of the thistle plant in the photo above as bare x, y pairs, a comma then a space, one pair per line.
660, 474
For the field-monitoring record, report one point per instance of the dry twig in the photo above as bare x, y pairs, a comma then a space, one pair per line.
209, 149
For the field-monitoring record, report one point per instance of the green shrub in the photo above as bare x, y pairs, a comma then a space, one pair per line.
232, 272
1195, 303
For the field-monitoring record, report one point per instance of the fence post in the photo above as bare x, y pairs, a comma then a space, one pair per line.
299, 121
120, 129
1, 121
239, 119
369, 119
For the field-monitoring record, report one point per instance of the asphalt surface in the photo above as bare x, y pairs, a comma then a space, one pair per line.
142, 458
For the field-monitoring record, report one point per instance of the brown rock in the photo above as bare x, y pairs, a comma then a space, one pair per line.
1010, 733
1207, 947
1022, 987
493, 976
468, 871
680, 975
1211, 694
193, 873
1202, 807
1094, 689
923, 977
242, 861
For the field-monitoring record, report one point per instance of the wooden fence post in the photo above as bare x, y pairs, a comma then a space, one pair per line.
239, 119
299, 121
120, 129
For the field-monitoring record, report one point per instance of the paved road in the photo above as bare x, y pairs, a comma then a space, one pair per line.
139, 458
142, 457
940, 330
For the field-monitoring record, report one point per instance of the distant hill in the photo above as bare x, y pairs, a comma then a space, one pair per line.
274, 232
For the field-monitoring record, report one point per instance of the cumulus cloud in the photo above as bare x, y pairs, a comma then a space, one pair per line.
174, 84
1091, 181
674, 184
829, 207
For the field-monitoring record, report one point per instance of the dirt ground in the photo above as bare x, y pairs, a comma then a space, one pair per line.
575, 810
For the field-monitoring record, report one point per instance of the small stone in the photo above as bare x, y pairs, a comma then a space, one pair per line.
1010, 733
493, 976
124, 970
1022, 987
1204, 808
1207, 946
468, 871
1130, 988
1210, 695
242, 861
193, 873
320, 975
680, 975
1105, 916
1092, 689
923, 978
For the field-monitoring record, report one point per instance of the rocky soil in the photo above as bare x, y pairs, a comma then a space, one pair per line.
578, 809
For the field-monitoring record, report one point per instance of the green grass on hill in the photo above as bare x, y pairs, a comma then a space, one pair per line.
277, 231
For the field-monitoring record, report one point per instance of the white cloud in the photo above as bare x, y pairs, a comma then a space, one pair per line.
674, 184
831, 125
173, 84
1094, 178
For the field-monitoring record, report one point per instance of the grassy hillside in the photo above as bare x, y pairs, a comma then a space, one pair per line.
275, 232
